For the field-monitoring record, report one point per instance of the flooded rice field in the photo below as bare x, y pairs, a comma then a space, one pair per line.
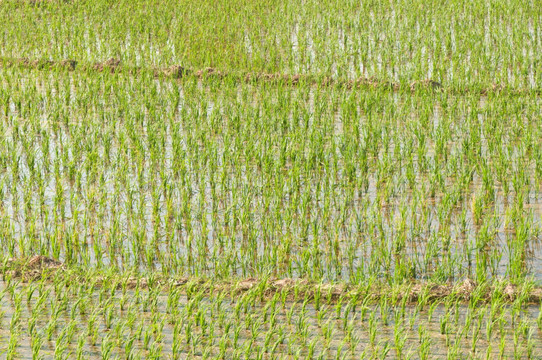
132, 321
464, 43
270, 180
312, 183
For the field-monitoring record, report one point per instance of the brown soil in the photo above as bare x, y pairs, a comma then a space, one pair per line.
39, 262
33, 268
510, 291
40, 2
467, 287
430, 84
175, 71
493, 88
43, 64
246, 284
178, 72
209, 72
69, 64
112, 64
37, 64
38, 267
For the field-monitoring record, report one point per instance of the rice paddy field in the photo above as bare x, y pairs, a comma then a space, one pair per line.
270, 180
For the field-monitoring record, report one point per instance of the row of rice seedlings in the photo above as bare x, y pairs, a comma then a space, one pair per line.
463, 43
114, 318
225, 180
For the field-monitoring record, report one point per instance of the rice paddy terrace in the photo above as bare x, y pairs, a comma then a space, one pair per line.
270, 180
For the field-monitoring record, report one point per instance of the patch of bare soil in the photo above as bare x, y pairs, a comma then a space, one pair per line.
425, 84
36, 64
430, 292
247, 284
38, 267
467, 287
47, 64
68, 64
289, 79
33, 268
510, 291
284, 284
39, 262
210, 72
43, 2
175, 71
110, 64
493, 89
